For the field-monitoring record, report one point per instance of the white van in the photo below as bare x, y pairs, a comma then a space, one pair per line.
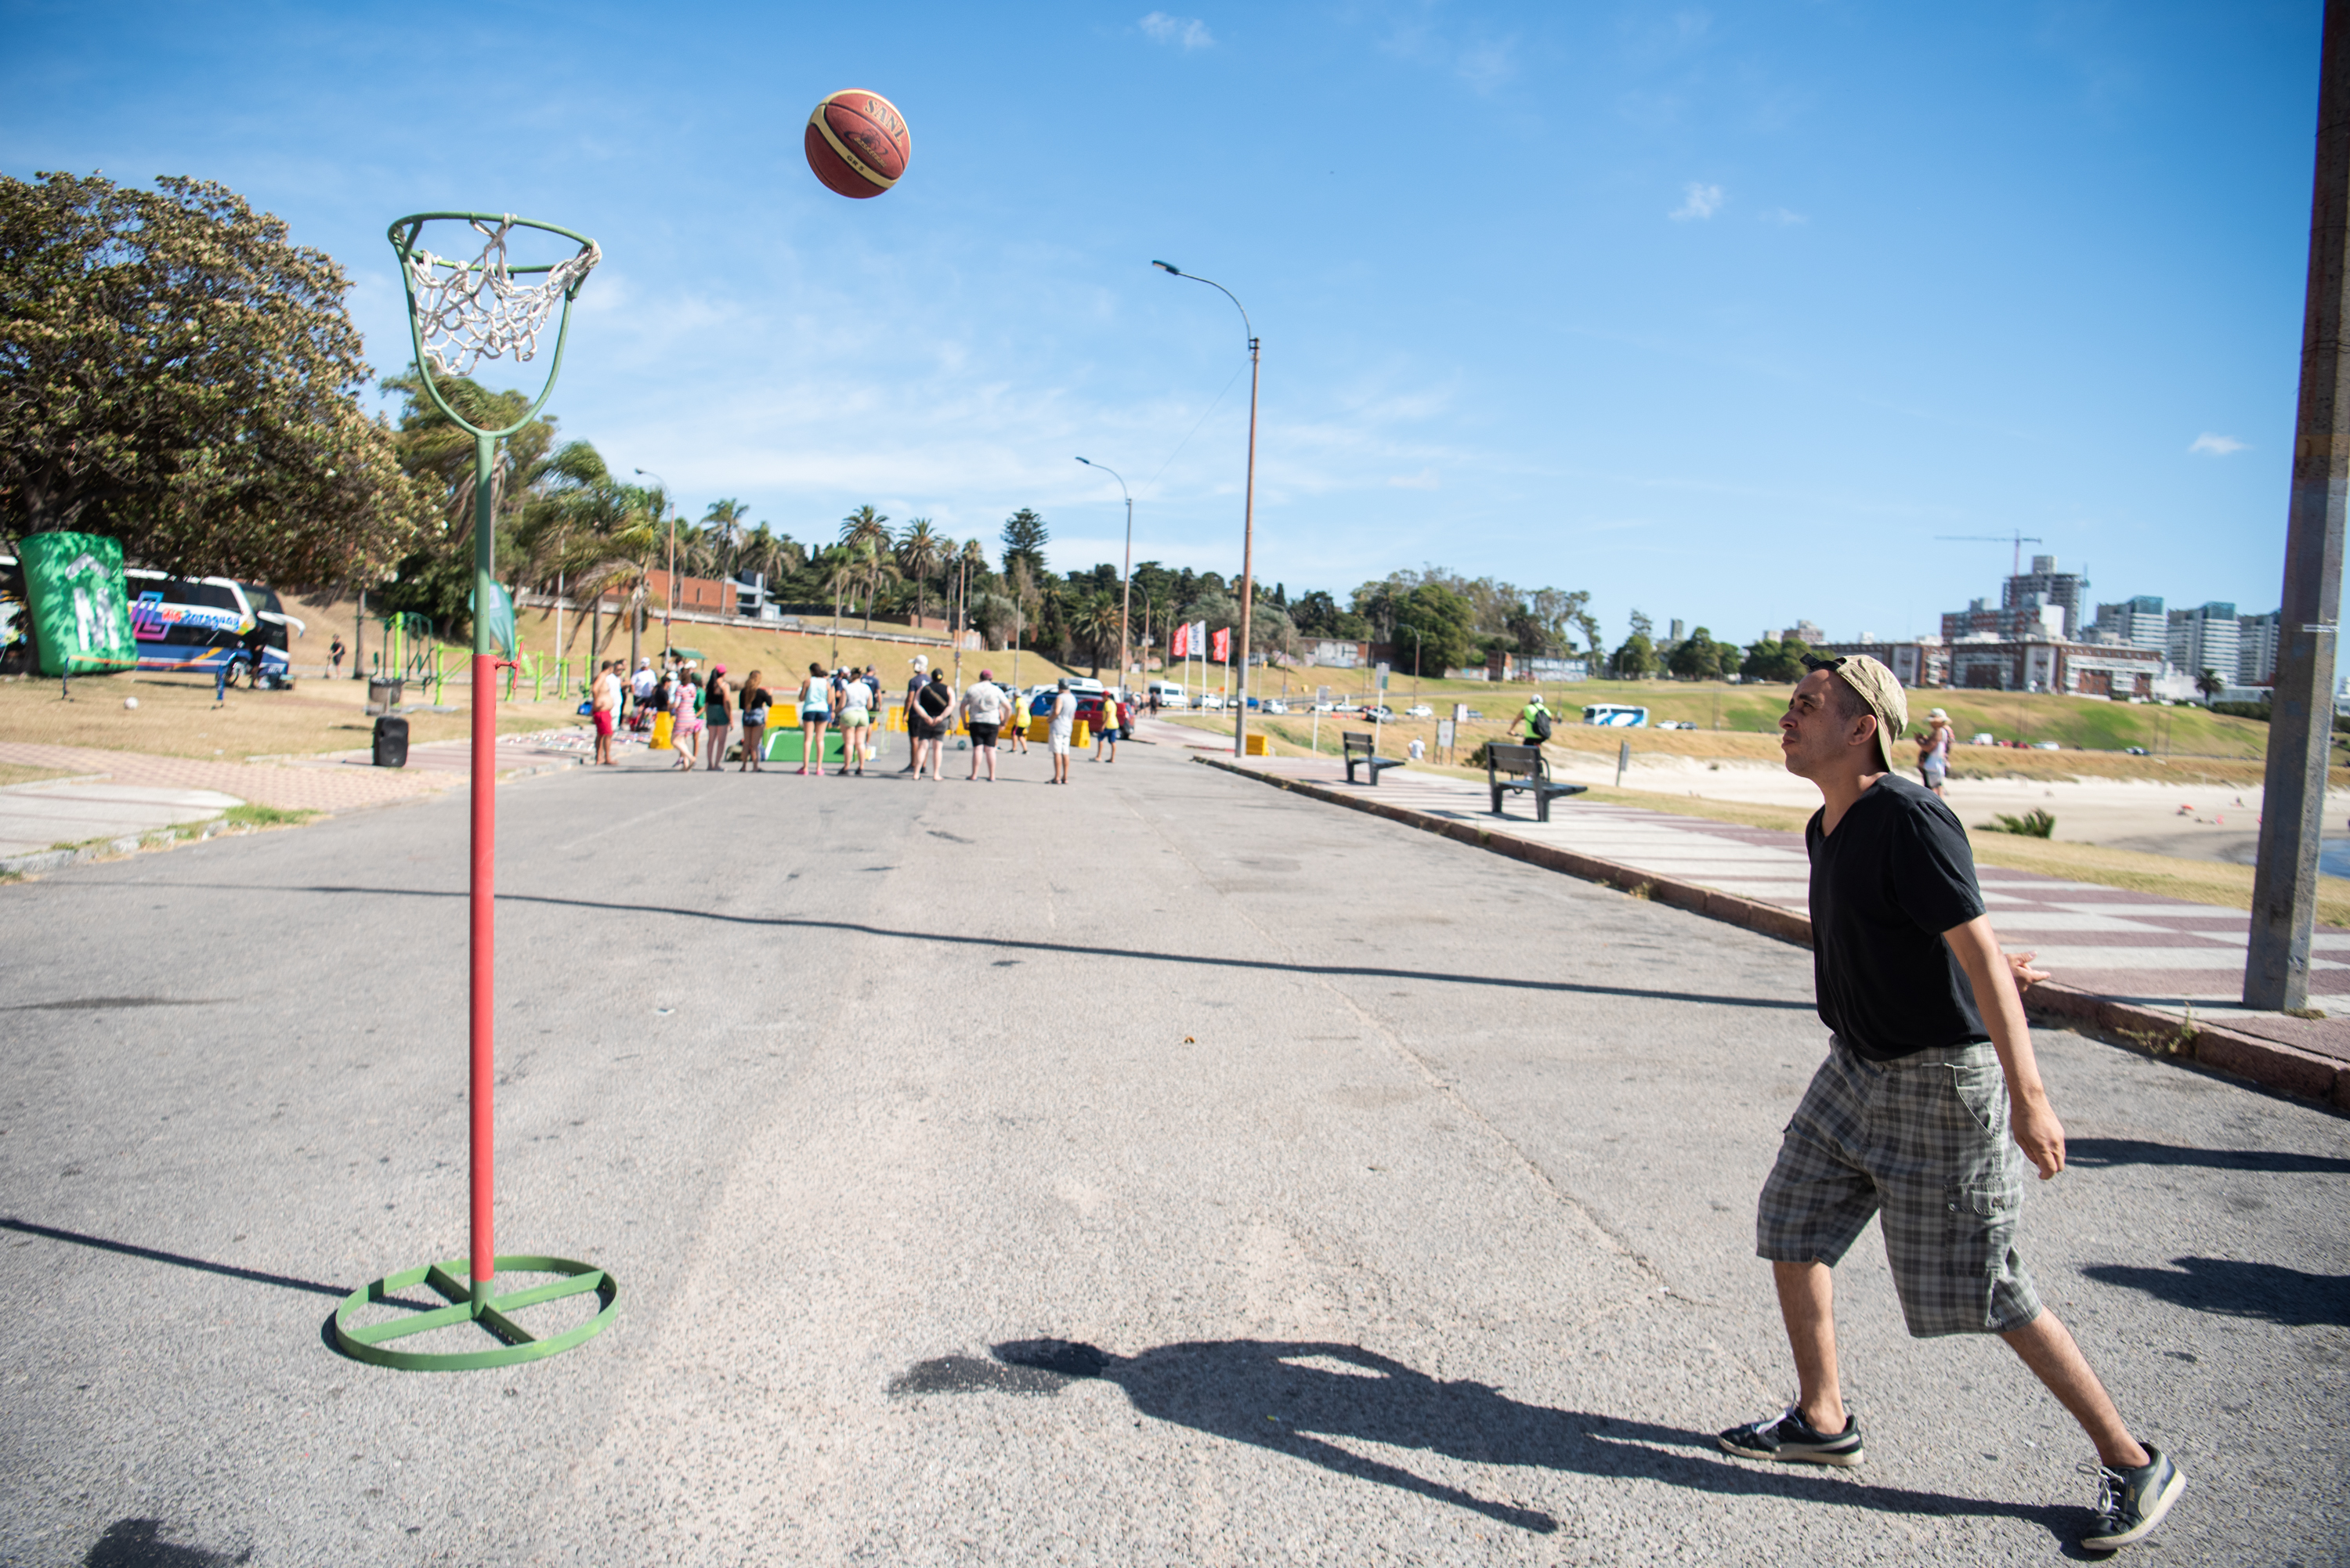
1169, 693
1616, 715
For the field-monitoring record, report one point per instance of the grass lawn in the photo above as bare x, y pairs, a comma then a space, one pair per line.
18, 773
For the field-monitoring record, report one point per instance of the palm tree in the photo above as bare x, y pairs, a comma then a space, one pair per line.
722, 533
1098, 622
840, 574
862, 524
919, 554
873, 563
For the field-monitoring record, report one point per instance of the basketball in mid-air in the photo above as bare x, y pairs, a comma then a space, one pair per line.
858, 143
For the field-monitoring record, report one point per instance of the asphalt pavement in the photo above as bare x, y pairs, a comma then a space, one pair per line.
1160, 1169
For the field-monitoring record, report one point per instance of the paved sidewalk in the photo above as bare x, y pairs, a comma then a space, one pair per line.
290, 786
336, 781
36, 818
2176, 961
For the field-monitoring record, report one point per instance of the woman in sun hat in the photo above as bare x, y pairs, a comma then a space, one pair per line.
1934, 751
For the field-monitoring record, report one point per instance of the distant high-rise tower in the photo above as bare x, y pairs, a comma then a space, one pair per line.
2205, 638
2044, 584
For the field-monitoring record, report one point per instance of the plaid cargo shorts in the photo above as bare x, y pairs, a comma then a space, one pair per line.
1923, 1141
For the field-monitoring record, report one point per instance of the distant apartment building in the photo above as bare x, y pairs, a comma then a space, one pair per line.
2043, 603
2136, 623
1808, 632
2049, 664
1499, 666
1915, 661
2045, 586
2005, 623
2208, 637
2256, 647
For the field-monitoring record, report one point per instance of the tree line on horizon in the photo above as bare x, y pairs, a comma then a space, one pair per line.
176, 374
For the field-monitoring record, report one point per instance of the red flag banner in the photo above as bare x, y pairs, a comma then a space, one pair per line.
1180, 648
1220, 645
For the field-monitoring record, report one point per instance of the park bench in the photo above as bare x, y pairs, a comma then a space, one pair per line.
1361, 748
1524, 767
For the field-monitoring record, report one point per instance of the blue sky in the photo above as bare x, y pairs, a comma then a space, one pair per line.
1721, 312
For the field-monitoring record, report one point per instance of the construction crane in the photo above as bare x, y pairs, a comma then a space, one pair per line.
2015, 568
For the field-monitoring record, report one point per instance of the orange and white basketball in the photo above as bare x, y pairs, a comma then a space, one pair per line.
858, 143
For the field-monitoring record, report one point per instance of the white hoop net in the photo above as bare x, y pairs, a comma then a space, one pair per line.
467, 312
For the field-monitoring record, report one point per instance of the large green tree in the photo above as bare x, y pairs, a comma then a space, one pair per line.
1024, 538
177, 375
1435, 631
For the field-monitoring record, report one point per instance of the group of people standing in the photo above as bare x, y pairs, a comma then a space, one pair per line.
707, 713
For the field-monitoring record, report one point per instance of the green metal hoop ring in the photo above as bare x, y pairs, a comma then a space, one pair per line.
367, 1342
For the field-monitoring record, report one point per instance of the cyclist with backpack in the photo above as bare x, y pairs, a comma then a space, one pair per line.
1535, 721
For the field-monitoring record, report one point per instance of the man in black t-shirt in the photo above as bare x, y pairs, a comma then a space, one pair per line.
1930, 1070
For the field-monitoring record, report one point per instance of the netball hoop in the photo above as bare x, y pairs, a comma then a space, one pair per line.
461, 313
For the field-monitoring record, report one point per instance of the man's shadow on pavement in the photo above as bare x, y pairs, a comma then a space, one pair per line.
1295, 1396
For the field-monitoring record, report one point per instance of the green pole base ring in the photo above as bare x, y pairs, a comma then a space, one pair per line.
368, 1342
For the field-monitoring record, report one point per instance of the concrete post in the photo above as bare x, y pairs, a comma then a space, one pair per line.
2284, 884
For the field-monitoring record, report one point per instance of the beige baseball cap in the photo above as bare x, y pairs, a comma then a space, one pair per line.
1883, 693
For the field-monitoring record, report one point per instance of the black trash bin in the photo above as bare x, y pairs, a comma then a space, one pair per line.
392, 742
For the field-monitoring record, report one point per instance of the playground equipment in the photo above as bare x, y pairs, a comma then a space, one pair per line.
459, 314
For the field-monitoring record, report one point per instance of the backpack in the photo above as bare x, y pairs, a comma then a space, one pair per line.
1542, 725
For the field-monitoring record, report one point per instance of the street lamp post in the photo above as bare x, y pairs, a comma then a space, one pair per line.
669, 599
1248, 507
1126, 599
1415, 666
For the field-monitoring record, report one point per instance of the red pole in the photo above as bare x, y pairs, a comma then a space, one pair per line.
484, 974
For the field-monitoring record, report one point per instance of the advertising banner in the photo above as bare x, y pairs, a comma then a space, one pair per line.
1220, 645
1182, 646
81, 618
501, 619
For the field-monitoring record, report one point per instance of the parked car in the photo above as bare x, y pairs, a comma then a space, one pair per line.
1275, 705
1420, 711
2049, 746
1675, 725
2134, 750
1323, 708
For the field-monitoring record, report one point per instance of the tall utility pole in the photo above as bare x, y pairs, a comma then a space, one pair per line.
2300, 727
669, 599
1248, 509
1125, 601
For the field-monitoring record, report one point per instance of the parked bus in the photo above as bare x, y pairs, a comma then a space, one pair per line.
187, 624
194, 625
1619, 715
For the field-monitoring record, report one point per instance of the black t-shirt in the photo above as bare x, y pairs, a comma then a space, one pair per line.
1895, 875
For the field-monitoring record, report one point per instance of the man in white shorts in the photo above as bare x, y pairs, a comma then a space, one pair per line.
1065, 719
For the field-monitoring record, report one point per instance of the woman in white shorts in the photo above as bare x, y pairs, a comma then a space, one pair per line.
856, 724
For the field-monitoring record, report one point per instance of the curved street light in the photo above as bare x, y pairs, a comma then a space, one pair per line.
1126, 600
1248, 507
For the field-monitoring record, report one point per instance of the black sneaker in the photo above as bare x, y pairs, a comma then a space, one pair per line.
2130, 1503
1790, 1438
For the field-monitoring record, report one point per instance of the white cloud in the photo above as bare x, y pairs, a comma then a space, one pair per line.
1784, 218
2213, 445
1424, 480
1698, 201
1185, 32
